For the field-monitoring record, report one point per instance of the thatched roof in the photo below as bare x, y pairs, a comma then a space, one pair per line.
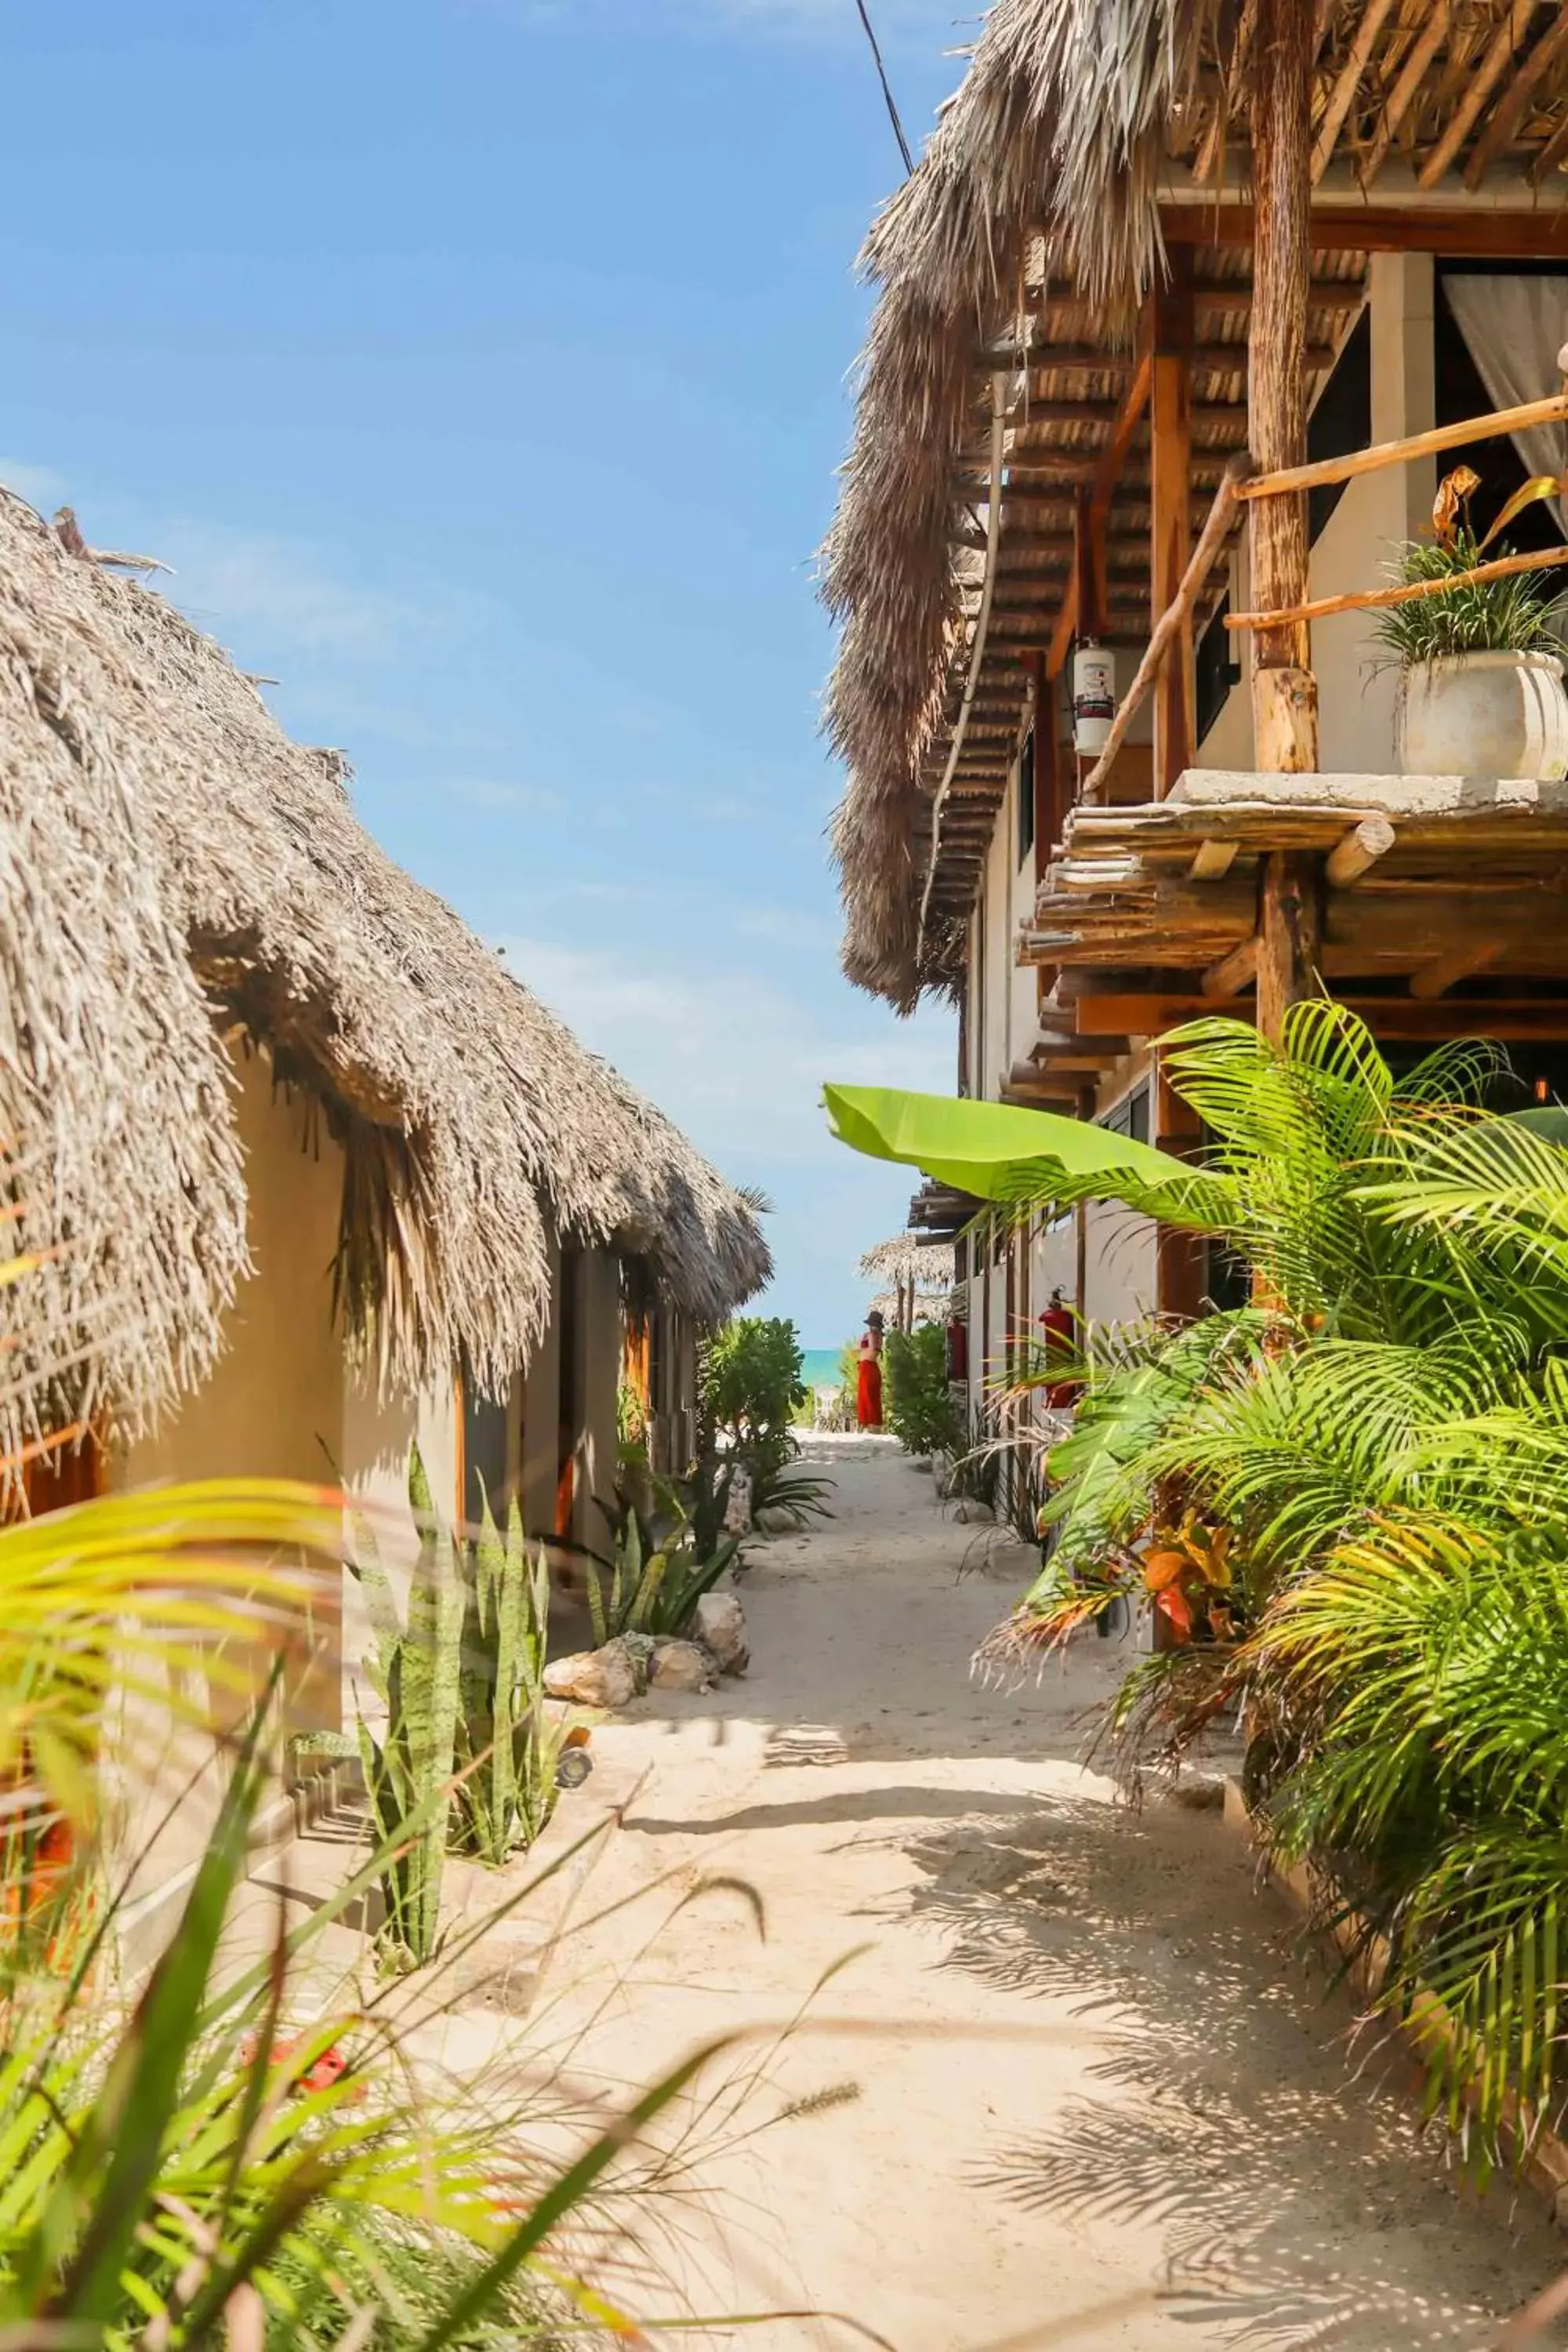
1027, 239
173, 854
906, 1258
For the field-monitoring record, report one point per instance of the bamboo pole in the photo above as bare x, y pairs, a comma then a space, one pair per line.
1168, 628
1408, 591
1491, 427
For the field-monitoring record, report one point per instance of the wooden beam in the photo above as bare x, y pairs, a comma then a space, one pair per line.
1289, 936
1493, 427
1233, 972
1480, 233
1212, 146
1477, 88
1125, 425
1343, 95
1169, 537
1401, 97
1149, 1014
1360, 850
1409, 591
1052, 1042
1210, 541
1236, 294
1208, 358
1509, 108
1180, 1257
1462, 962
1212, 860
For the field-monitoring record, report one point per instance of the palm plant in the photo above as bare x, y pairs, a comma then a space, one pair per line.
1357, 1486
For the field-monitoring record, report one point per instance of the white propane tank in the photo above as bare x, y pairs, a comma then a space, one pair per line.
1093, 695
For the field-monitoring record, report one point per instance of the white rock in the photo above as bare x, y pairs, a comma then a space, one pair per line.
720, 1624
774, 1520
682, 1666
969, 1513
605, 1677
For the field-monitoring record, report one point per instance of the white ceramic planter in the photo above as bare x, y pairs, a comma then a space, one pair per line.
1483, 715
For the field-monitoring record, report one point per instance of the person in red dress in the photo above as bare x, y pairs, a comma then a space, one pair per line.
869, 1394
1059, 1329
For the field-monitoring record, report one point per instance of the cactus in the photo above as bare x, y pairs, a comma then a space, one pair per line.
415, 1670
509, 1744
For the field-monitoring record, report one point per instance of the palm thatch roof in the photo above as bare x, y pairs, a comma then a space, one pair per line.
1025, 242
172, 857
906, 1258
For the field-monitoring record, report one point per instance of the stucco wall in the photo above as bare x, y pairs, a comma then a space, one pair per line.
273, 1405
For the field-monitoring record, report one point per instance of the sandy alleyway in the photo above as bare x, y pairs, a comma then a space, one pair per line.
1074, 2086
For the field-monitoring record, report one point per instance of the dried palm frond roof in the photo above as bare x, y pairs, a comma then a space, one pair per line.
905, 1257
174, 852
1033, 221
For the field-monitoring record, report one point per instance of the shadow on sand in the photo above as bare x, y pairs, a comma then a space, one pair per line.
1227, 2076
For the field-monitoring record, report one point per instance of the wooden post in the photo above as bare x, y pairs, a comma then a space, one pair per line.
1179, 1260
1289, 934
1170, 535
1284, 691
1088, 569
1048, 810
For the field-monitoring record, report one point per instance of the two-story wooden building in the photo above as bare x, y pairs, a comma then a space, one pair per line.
1134, 285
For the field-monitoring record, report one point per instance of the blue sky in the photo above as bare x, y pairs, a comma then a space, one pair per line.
479, 366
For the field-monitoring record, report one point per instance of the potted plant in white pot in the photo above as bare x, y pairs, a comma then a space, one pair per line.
1480, 689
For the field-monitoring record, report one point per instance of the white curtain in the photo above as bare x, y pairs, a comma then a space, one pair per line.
1515, 327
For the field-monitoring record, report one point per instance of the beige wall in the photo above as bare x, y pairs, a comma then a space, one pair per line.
1376, 513
273, 1405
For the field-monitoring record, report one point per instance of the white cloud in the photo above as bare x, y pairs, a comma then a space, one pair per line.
739, 1066
738, 1063
485, 793
41, 486
282, 590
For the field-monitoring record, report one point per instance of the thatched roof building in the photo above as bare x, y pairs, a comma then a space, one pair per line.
905, 1259
1085, 144
171, 857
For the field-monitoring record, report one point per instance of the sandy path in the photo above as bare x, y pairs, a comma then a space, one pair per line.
1076, 2088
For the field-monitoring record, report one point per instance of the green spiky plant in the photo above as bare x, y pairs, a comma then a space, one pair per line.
1512, 614
509, 1742
1357, 1488
655, 1572
415, 1670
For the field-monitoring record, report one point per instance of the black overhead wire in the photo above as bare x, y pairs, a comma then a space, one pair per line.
887, 90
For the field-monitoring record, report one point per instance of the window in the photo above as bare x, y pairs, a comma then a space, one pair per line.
1341, 421
1131, 1116
1216, 672
1026, 797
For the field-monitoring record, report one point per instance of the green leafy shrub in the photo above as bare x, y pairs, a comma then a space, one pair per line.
750, 1388
917, 1402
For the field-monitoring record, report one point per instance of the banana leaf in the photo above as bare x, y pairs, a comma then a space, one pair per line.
999, 1152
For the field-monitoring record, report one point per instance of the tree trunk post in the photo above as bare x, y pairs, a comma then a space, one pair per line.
1284, 690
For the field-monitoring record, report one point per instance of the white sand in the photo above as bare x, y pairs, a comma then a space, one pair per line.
1079, 2088
1095, 2099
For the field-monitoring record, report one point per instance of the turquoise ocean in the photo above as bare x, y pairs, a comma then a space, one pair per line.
821, 1367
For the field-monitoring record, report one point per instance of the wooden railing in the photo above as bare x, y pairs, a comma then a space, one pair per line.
1239, 484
